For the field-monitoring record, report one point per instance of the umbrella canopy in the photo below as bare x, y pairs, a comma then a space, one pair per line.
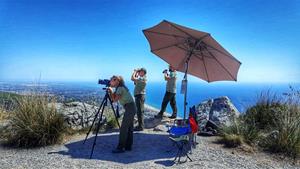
191, 51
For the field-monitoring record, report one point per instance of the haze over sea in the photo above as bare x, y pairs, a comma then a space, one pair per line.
242, 95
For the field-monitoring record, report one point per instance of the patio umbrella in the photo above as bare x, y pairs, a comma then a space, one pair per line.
191, 52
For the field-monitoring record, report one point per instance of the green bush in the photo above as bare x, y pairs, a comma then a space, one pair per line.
264, 111
7, 100
111, 119
250, 134
286, 133
239, 130
273, 124
34, 122
231, 140
231, 135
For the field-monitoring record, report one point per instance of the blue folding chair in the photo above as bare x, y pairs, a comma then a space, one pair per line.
181, 136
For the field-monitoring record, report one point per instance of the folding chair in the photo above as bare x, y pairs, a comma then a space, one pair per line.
181, 137
183, 134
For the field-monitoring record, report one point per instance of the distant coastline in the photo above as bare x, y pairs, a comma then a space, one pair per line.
243, 95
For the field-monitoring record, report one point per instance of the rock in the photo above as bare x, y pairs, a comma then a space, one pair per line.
273, 135
77, 115
153, 122
247, 148
161, 127
219, 110
270, 136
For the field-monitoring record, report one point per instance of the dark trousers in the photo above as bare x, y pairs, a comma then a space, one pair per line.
126, 129
139, 102
169, 97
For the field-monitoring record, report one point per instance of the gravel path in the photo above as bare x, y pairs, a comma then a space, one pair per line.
150, 150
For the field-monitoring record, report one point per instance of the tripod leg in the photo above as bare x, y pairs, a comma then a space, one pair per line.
96, 115
112, 106
98, 127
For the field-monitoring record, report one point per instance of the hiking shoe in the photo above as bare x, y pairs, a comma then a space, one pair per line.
138, 129
118, 150
158, 116
173, 116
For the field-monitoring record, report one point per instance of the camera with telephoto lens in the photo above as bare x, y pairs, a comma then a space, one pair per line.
105, 82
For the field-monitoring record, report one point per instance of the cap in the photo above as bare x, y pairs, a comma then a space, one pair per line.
143, 69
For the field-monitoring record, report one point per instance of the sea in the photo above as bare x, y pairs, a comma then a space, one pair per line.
242, 95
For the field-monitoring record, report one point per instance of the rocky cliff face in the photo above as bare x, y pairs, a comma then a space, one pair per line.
77, 115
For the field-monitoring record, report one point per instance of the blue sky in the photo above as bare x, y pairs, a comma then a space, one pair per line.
79, 40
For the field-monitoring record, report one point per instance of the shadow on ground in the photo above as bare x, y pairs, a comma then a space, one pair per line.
145, 147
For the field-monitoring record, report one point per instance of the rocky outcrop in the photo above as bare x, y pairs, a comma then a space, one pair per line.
78, 115
219, 110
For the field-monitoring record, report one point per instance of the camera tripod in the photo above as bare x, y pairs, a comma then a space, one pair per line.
101, 110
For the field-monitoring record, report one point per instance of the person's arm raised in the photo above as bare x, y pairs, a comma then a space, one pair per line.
133, 76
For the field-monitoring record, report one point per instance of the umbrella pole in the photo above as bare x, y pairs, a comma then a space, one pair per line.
185, 81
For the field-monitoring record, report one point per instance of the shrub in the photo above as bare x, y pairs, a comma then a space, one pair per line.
3, 114
111, 119
231, 135
262, 114
240, 130
34, 123
231, 140
7, 100
274, 123
287, 126
287, 133
250, 133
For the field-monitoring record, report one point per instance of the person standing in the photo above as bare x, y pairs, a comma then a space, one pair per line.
139, 78
123, 95
170, 95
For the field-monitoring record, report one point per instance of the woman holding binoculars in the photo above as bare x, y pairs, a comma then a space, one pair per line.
170, 95
139, 78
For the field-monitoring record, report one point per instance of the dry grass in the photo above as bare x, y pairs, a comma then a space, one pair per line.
34, 123
231, 140
273, 124
3, 114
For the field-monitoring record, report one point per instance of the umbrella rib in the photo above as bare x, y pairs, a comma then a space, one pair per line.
221, 52
202, 55
164, 34
221, 64
207, 34
205, 66
167, 46
199, 59
185, 56
181, 48
180, 29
